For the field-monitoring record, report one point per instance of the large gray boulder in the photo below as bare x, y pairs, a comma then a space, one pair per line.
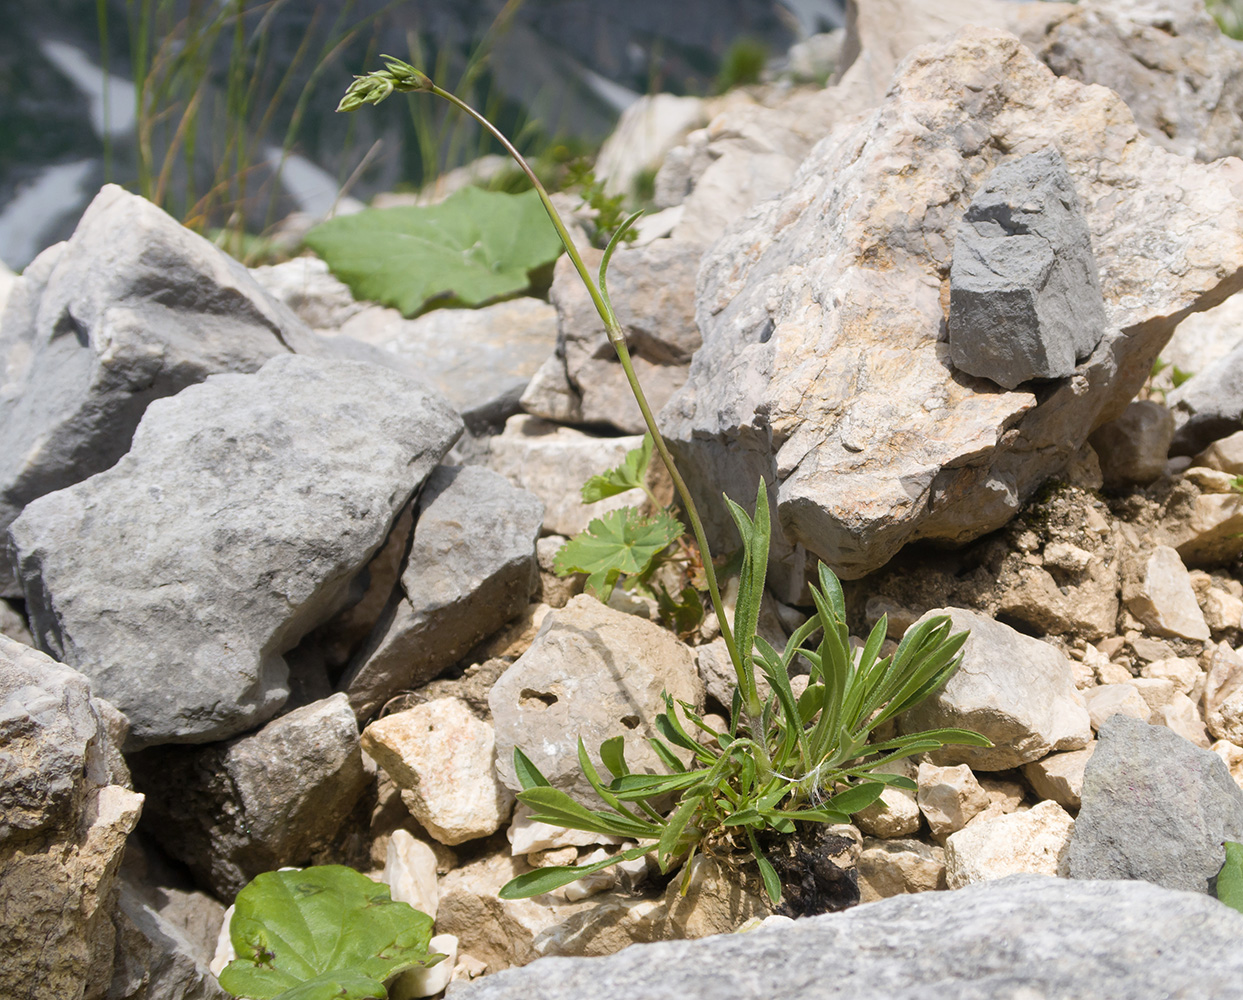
823, 368
132, 308
1016, 690
66, 809
236, 523
1155, 807
471, 568
1023, 936
260, 802
1025, 299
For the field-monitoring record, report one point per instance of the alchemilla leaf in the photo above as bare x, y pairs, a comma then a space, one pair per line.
322, 932
622, 541
471, 248
627, 476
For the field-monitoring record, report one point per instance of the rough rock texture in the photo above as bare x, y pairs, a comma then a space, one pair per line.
471, 568
646, 131
1032, 840
440, 754
1016, 690
652, 289
1134, 448
593, 673
314, 294
132, 308
256, 803
1156, 808
480, 359
1129, 941
553, 463
896, 867
235, 524
714, 903
1223, 695
1209, 405
949, 797
1157, 590
65, 812
1060, 776
1025, 298
822, 368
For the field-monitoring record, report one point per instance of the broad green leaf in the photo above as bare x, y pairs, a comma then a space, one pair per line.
1230, 878
855, 798
613, 756
631, 787
544, 880
473, 247
292, 928
630, 475
622, 541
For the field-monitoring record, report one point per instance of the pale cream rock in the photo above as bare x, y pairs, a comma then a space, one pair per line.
604, 926
895, 813
1114, 699
1182, 716
442, 755
410, 872
427, 982
589, 885
1212, 531
1157, 590
1222, 610
646, 131
1210, 480
896, 867
554, 858
715, 902
1157, 692
1185, 672
1060, 776
1225, 454
1223, 695
1232, 754
1035, 841
527, 835
949, 797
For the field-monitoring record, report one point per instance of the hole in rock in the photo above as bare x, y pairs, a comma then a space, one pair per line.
528, 696
630, 721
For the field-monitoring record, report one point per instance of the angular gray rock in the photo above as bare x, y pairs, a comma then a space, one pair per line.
652, 289
1025, 296
1134, 448
1155, 807
1016, 690
822, 368
132, 308
1209, 405
593, 673
65, 814
257, 803
1023, 936
471, 568
235, 524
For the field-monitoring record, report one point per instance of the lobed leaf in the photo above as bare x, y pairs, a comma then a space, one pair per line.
622, 541
630, 475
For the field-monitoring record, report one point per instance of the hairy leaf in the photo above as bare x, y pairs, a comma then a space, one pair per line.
630, 475
302, 933
473, 247
622, 541
1230, 878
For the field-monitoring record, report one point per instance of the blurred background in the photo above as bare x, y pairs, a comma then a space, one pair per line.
222, 111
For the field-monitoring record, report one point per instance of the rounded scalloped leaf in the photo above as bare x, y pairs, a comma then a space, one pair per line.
321, 932
471, 248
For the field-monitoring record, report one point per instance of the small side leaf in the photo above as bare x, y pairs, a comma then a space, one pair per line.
529, 775
630, 475
1230, 878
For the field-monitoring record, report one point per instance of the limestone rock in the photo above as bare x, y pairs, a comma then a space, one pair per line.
896, 867
652, 289
591, 673
646, 131
132, 308
470, 569
1154, 808
1134, 448
442, 755
428, 982
895, 813
1017, 691
1226, 455
1025, 299
1157, 591
1034, 841
263, 801
1108, 700
410, 872
822, 370
481, 360
316, 296
234, 525
1211, 532
1209, 405
528, 836
1223, 695
1060, 776
553, 463
1184, 673
1232, 755
949, 797
715, 901
1183, 717
64, 819
1128, 941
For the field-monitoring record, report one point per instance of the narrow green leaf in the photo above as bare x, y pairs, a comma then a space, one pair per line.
551, 805
672, 838
614, 242
772, 884
666, 755
542, 880
632, 787
855, 798
613, 756
529, 775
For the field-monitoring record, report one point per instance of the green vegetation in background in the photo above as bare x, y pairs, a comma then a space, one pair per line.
742, 65
1229, 15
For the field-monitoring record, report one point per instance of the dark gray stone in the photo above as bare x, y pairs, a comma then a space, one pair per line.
273, 798
1209, 405
471, 569
1023, 936
1155, 807
236, 523
1134, 448
1025, 297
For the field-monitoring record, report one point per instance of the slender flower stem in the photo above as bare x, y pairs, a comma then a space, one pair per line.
617, 338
